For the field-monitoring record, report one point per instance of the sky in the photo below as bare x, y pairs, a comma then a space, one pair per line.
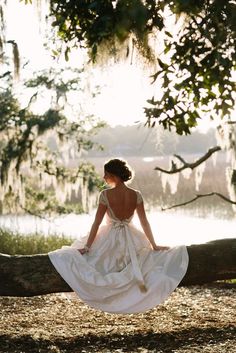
124, 88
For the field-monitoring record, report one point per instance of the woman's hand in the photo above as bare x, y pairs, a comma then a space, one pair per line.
84, 250
159, 247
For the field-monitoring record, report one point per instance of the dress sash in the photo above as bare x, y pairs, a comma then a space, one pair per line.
123, 226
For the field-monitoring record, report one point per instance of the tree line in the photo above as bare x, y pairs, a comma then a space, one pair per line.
138, 140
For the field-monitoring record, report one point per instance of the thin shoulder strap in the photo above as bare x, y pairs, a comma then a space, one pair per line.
139, 197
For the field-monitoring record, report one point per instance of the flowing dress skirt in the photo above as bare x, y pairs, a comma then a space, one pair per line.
121, 273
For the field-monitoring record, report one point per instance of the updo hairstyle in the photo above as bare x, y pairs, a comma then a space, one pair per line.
119, 168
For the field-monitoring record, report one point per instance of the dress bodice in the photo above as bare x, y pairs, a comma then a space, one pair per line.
111, 217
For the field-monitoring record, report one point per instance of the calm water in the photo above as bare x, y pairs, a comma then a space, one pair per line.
168, 228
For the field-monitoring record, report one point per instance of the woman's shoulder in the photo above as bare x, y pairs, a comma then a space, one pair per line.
134, 190
138, 194
102, 197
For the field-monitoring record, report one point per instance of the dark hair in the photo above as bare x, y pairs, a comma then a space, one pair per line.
119, 168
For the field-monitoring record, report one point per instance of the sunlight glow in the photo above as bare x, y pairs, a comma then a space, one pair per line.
123, 96
124, 88
22, 26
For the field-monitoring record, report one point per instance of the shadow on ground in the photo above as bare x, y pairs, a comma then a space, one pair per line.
190, 340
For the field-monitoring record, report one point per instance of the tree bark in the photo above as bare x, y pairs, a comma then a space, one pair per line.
35, 275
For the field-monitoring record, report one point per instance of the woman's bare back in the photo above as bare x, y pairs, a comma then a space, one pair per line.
123, 202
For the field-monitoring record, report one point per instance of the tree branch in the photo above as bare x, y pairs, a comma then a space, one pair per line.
31, 275
186, 165
198, 196
231, 122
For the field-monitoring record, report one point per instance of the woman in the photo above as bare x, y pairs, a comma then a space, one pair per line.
117, 268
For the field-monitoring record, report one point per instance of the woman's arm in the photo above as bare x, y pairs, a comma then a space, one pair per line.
101, 210
147, 228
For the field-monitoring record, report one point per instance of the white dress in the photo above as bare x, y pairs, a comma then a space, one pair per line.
121, 273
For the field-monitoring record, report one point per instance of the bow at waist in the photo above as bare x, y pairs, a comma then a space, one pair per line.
120, 224
123, 225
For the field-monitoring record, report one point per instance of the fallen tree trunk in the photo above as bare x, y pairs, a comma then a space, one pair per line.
35, 275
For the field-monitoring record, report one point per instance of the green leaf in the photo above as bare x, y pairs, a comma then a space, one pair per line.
168, 34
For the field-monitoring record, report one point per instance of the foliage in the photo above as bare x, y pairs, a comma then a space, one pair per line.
24, 149
92, 23
14, 243
195, 68
41, 202
197, 77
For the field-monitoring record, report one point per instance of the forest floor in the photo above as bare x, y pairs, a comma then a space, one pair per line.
194, 319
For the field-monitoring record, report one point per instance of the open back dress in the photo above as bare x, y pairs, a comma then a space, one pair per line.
121, 273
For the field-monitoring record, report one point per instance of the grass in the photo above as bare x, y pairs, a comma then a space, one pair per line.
13, 243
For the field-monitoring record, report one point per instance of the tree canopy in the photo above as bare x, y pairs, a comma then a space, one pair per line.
194, 51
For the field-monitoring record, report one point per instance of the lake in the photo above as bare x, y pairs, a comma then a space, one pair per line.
170, 228
205, 220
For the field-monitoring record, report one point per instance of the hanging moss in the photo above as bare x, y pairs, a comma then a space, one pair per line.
25, 155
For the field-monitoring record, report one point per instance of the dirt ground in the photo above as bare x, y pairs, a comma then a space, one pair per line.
194, 319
